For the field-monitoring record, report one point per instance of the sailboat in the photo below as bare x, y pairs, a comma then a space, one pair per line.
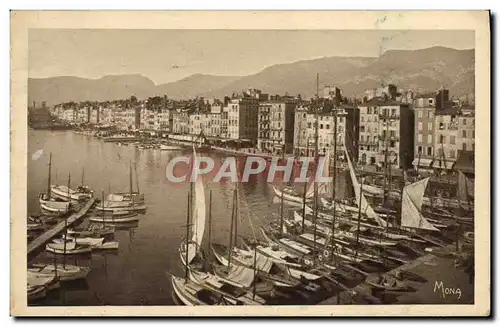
68, 248
411, 205
131, 201
65, 193
50, 206
193, 294
113, 216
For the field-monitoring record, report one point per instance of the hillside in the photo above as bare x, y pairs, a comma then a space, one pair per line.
421, 70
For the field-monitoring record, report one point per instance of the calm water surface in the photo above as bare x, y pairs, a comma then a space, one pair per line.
134, 274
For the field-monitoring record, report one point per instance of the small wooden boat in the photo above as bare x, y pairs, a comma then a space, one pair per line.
72, 248
126, 197
93, 230
34, 226
193, 294
94, 243
125, 218
386, 282
290, 194
119, 206
52, 207
64, 273
42, 219
64, 193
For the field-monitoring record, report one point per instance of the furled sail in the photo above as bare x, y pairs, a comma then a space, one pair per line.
199, 215
411, 217
365, 206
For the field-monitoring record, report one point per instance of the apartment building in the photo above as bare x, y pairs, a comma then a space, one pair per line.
276, 125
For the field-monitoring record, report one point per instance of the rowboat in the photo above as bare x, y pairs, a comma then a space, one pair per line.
131, 217
64, 273
290, 194
386, 282
93, 230
72, 248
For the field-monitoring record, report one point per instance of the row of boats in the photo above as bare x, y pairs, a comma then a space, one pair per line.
114, 210
324, 248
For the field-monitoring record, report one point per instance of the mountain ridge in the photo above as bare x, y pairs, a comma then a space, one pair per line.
421, 70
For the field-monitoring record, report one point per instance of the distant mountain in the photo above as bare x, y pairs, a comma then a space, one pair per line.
421, 70
64, 89
193, 86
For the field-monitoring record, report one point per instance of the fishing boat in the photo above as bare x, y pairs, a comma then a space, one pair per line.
131, 217
94, 243
63, 272
52, 207
48, 205
93, 230
34, 226
193, 294
165, 147
127, 199
65, 193
229, 291
288, 193
42, 219
386, 282
68, 248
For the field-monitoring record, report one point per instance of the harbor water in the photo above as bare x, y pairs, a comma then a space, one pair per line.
135, 273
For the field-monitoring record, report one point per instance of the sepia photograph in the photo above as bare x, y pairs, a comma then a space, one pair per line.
175, 163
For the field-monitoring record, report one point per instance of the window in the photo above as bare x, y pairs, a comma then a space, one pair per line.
392, 143
362, 119
419, 138
442, 139
464, 122
308, 125
420, 115
419, 149
304, 116
464, 133
473, 134
429, 151
362, 129
375, 110
321, 126
367, 139
420, 126
473, 147
327, 126
452, 140
393, 112
362, 138
429, 139
452, 153
464, 146
429, 126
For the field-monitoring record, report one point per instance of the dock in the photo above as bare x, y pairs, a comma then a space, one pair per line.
46, 236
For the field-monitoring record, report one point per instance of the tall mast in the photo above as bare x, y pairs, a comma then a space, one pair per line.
304, 195
66, 225
130, 179
385, 156
231, 230
50, 176
282, 198
316, 149
103, 220
136, 178
210, 221
83, 176
359, 215
334, 179
236, 218
187, 233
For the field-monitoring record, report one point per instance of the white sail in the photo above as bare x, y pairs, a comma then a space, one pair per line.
199, 215
410, 207
365, 206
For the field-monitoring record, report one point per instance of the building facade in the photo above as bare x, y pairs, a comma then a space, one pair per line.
276, 125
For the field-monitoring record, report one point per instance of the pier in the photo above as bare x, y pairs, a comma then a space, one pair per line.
46, 236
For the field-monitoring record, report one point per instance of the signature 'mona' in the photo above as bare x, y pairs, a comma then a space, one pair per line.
447, 291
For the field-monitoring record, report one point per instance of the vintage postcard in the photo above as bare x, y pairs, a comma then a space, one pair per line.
265, 163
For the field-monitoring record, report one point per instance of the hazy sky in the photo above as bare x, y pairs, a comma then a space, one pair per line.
152, 53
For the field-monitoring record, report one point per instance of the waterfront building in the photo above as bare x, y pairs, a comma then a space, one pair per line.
383, 133
325, 111
424, 107
242, 117
276, 125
